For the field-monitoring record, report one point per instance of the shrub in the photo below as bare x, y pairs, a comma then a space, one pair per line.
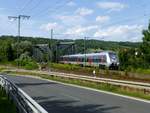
26, 62
31, 65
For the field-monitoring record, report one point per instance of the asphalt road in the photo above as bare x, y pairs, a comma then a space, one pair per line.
58, 98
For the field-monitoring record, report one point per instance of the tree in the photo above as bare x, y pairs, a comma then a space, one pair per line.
10, 53
22, 47
145, 46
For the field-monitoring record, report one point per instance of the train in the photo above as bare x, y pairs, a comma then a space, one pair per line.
103, 59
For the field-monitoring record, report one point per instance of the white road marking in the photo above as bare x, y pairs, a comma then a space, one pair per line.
91, 89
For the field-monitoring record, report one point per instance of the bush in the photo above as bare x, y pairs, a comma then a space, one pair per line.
68, 67
26, 62
31, 65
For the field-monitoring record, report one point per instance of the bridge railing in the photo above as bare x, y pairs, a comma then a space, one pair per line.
23, 102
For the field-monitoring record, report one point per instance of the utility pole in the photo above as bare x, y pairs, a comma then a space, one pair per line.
19, 17
51, 45
50, 56
85, 51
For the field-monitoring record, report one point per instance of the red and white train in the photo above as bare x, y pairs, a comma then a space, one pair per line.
102, 59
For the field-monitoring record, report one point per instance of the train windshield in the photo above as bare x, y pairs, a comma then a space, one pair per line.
113, 56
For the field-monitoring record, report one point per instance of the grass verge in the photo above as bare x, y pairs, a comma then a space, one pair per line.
140, 75
100, 86
5, 105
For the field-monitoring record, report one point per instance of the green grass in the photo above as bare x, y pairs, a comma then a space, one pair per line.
5, 105
142, 71
100, 86
105, 73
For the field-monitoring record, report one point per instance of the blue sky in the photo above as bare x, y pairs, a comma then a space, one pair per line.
110, 20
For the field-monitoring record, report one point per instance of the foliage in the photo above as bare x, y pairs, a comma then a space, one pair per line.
129, 59
26, 62
6, 52
31, 65
145, 46
135, 58
132, 55
22, 47
5, 105
68, 67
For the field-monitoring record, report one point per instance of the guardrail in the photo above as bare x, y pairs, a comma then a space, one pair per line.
23, 102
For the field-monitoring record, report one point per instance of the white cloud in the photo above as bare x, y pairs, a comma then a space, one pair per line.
71, 20
112, 6
71, 3
7, 27
80, 30
83, 11
102, 19
49, 26
76, 18
121, 33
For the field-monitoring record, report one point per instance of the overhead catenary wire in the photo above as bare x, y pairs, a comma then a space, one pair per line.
81, 36
25, 6
18, 18
127, 19
50, 9
124, 20
57, 7
35, 6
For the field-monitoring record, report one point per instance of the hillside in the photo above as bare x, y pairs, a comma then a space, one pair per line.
90, 44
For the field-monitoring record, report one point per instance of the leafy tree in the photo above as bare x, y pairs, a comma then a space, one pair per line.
145, 46
22, 47
26, 61
10, 53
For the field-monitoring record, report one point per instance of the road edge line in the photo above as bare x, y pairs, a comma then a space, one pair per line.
87, 88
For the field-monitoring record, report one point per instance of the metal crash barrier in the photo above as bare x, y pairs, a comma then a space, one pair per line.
23, 102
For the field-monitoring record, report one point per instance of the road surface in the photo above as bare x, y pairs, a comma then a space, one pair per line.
59, 98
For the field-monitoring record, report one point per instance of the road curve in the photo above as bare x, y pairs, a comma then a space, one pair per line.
58, 98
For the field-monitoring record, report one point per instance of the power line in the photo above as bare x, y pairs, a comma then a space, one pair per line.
127, 19
77, 35
36, 5
46, 9
19, 22
59, 6
27, 3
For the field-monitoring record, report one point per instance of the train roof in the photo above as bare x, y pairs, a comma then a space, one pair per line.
89, 54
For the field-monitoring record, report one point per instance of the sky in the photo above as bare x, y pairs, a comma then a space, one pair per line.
109, 20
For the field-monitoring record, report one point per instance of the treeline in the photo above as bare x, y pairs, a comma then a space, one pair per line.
137, 58
131, 55
90, 44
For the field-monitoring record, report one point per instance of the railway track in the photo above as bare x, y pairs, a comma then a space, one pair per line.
139, 85
132, 84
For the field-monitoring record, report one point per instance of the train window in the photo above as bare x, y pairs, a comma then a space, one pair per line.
102, 59
90, 59
82, 59
78, 59
95, 59
74, 59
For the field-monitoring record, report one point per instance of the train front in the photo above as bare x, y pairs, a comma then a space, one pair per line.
114, 60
